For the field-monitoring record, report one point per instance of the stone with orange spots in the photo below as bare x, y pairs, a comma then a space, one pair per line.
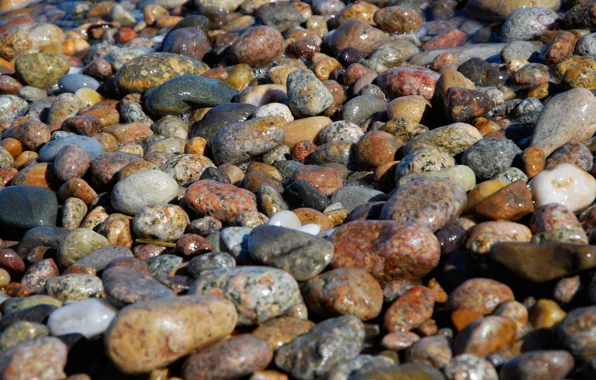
534, 159
431, 202
509, 203
449, 39
135, 166
344, 291
481, 295
7, 174
406, 80
129, 133
388, 250
221, 201
410, 310
322, 178
398, 19
303, 149
561, 48
462, 317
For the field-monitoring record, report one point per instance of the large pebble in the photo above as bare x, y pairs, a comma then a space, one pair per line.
25, 207
569, 116
566, 184
315, 353
298, 253
161, 222
431, 202
344, 291
50, 150
181, 93
259, 293
153, 334
48, 354
490, 156
89, 317
221, 201
151, 70
307, 95
241, 142
481, 295
235, 357
144, 188
388, 250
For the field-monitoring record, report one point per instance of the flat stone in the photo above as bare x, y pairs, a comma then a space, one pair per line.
25, 207
544, 262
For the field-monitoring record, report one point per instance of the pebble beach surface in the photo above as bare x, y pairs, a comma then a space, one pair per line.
317, 189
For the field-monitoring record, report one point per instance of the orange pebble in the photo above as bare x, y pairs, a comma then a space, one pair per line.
126, 34
13, 146
461, 318
196, 145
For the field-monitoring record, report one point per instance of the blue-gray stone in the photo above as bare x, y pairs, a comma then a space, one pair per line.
73, 82
25, 207
49, 151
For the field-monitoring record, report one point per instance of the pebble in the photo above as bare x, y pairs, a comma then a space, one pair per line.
48, 353
50, 150
173, 96
526, 24
344, 291
89, 317
566, 184
468, 366
307, 95
235, 357
279, 331
144, 188
329, 343
410, 310
161, 222
502, 153
221, 201
562, 120
239, 143
74, 287
258, 293
41, 70
185, 323
296, 252
556, 364
481, 295
431, 202
413, 252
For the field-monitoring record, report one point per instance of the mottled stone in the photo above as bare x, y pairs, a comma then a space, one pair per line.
315, 353
468, 366
258, 46
482, 295
306, 94
221, 201
79, 243
279, 331
576, 332
569, 116
410, 310
150, 70
404, 81
239, 143
235, 357
40, 358
74, 287
152, 334
388, 250
490, 156
298, 253
431, 202
344, 291
161, 222
41, 70
259, 293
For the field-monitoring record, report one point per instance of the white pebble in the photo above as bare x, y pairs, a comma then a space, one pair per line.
285, 219
4, 297
313, 229
75, 70
90, 317
158, 39
566, 184
275, 109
